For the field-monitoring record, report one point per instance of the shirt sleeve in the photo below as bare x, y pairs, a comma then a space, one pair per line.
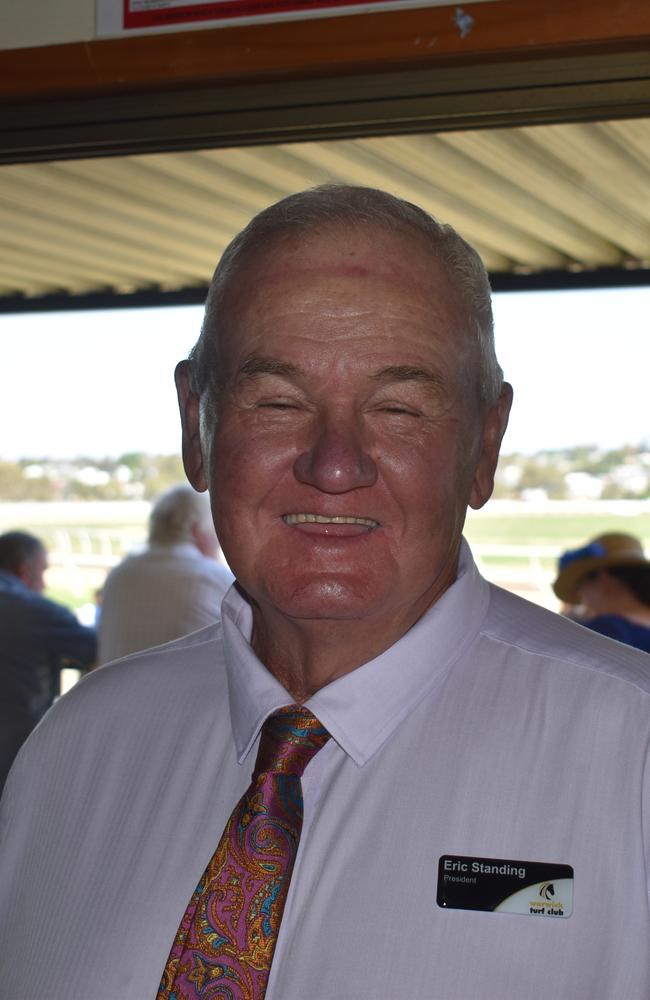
645, 812
67, 641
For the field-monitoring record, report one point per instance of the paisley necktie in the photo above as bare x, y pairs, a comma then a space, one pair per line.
225, 943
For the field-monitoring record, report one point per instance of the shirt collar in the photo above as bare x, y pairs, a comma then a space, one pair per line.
253, 692
363, 708
187, 549
9, 581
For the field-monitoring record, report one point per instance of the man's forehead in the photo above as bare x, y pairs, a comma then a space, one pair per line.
346, 277
369, 251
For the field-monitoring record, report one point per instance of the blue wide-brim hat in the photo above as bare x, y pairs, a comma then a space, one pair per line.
615, 549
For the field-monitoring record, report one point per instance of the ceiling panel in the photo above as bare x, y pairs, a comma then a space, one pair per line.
536, 199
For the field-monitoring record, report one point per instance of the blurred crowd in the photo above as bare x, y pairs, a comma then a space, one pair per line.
175, 586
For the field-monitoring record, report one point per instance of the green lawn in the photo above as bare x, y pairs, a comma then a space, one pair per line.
557, 529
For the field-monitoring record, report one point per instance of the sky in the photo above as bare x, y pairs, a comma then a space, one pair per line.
101, 383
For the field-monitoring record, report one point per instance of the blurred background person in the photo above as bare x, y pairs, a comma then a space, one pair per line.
37, 639
174, 587
609, 578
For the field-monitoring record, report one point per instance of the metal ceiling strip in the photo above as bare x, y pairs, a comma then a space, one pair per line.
56, 242
97, 212
205, 170
605, 166
355, 164
69, 221
32, 234
55, 273
428, 156
155, 195
514, 155
634, 134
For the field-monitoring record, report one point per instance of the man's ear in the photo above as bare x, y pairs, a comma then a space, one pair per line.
24, 572
494, 427
188, 405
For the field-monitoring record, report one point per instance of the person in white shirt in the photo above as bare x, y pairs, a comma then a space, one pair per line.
175, 586
477, 825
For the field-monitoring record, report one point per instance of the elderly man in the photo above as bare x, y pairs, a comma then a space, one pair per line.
173, 587
37, 638
438, 760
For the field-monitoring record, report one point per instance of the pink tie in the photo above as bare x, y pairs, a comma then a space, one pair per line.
225, 943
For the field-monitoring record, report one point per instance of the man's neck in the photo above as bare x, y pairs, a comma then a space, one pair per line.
618, 599
305, 655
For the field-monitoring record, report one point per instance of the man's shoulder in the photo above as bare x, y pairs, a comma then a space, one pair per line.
214, 570
36, 606
119, 711
174, 560
131, 563
189, 669
618, 627
539, 633
194, 649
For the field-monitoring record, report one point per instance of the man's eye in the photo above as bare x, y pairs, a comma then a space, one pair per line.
279, 404
400, 410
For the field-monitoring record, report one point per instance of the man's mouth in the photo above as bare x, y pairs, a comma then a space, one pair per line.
366, 522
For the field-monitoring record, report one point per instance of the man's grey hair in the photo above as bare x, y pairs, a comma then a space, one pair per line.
175, 513
327, 207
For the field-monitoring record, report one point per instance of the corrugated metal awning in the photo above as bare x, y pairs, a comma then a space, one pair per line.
531, 200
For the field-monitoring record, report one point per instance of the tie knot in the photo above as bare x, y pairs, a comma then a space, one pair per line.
289, 739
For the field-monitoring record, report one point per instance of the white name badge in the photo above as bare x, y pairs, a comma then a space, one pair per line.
497, 885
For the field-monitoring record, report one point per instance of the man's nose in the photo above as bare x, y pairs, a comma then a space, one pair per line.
336, 461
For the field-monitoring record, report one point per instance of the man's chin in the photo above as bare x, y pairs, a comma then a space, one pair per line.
331, 600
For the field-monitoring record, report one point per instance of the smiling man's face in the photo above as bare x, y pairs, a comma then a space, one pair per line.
349, 440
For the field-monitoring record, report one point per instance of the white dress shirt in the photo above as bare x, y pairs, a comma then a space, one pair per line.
157, 595
493, 729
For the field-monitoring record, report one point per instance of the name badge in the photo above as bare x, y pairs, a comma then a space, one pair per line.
534, 888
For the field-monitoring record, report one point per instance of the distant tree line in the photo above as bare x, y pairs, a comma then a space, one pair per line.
132, 476
584, 471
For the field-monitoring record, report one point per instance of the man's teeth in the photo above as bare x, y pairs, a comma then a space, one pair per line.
367, 522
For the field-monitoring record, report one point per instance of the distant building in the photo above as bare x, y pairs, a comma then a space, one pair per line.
632, 478
583, 486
